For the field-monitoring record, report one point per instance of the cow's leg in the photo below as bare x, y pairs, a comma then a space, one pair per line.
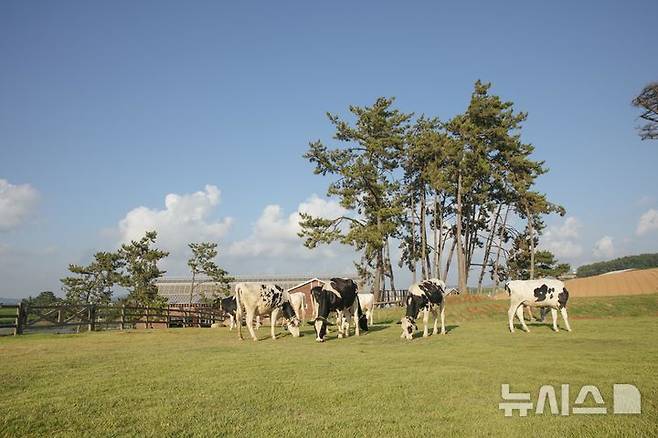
519, 314
230, 322
371, 317
249, 320
510, 315
273, 316
532, 317
346, 322
258, 324
355, 315
426, 317
435, 314
563, 311
443, 317
554, 315
339, 323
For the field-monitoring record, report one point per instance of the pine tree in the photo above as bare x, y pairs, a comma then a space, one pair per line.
365, 182
142, 270
94, 283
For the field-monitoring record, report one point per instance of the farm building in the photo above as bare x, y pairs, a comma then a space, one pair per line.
177, 290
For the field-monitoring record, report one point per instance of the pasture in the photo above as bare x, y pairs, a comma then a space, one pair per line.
205, 382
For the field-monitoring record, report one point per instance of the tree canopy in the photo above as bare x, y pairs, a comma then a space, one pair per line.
647, 101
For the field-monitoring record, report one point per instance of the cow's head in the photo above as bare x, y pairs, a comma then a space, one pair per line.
293, 326
292, 322
408, 327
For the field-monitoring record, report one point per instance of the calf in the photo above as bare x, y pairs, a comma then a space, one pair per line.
426, 296
298, 303
264, 299
339, 295
545, 293
367, 303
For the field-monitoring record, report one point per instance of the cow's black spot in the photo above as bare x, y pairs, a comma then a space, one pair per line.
551, 297
562, 298
540, 293
278, 287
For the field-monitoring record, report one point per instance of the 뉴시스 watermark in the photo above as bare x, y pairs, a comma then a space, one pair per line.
626, 400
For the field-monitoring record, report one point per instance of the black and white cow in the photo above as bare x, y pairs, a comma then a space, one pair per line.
228, 306
256, 299
425, 296
545, 293
338, 295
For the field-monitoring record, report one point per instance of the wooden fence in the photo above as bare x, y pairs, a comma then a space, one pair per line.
92, 317
392, 297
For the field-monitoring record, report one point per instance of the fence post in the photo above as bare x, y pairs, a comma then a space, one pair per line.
20, 320
168, 316
123, 316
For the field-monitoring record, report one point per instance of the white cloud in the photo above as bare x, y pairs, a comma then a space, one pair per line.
648, 222
604, 248
563, 240
186, 218
16, 203
275, 234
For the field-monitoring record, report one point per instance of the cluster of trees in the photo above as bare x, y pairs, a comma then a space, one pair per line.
440, 188
642, 261
647, 101
135, 267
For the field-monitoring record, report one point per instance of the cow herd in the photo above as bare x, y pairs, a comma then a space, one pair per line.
339, 297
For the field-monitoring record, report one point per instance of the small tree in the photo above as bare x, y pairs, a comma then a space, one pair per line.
142, 270
201, 263
647, 101
93, 284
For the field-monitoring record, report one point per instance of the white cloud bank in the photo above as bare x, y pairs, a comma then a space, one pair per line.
563, 240
275, 234
185, 218
604, 248
648, 222
16, 204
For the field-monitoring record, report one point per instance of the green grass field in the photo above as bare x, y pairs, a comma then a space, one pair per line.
205, 382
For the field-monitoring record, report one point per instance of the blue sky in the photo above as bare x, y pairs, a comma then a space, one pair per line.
106, 107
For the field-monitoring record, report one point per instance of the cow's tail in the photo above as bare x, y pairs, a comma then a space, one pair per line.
363, 320
238, 310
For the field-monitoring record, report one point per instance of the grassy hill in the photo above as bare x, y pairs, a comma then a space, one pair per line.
205, 382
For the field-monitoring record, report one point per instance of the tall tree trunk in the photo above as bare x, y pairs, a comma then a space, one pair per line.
531, 230
449, 261
461, 262
389, 266
192, 287
487, 247
500, 247
435, 264
379, 266
413, 241
423, 236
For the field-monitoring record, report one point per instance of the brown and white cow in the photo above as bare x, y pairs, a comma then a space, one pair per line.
546, 293
257, 299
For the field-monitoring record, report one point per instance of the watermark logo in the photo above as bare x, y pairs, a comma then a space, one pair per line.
626, 400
